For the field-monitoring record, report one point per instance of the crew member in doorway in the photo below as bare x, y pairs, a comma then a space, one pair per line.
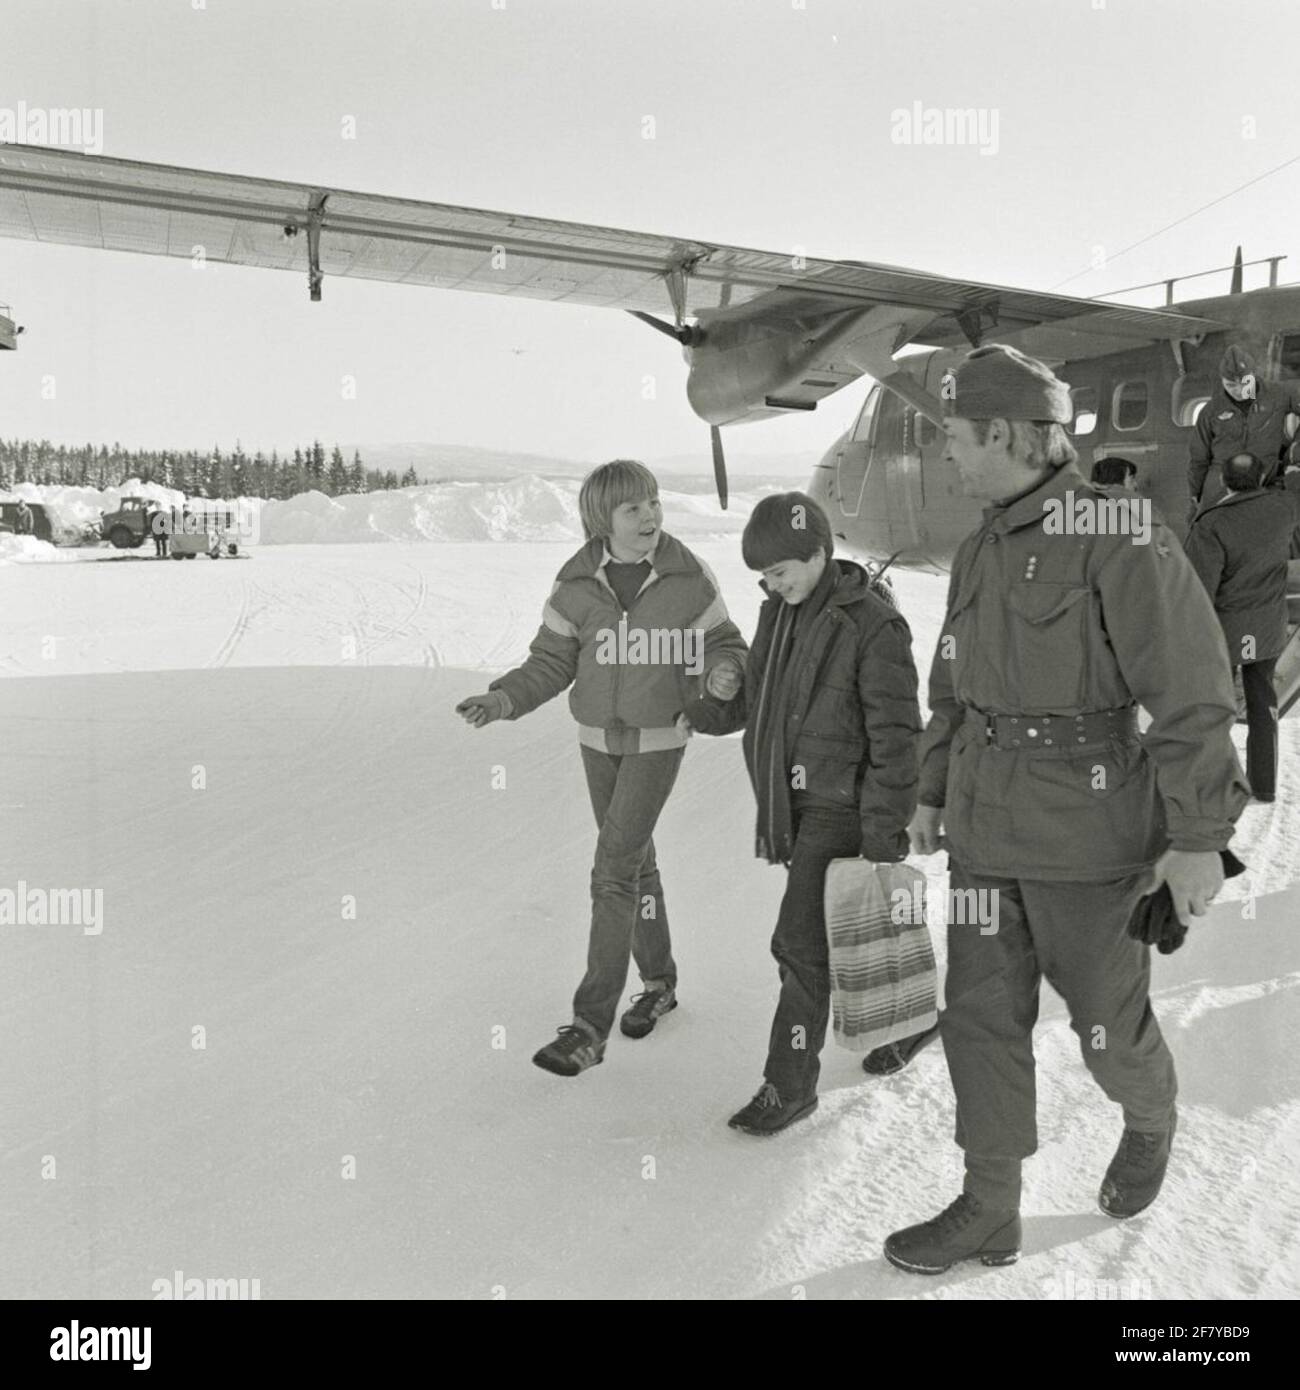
1244, 415
1116, 477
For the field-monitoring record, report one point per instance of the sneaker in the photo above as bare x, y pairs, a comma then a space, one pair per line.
573, 1051
1135, 1175
894, 1056
647, 1009
767, 1113
966, 1230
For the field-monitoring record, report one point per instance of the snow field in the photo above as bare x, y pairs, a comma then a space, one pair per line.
314, 686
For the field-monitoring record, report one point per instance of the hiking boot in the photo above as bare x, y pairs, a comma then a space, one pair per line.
966, 1230
1133, 1180
575, 1050
767, 1113
647, 1009
894, 1056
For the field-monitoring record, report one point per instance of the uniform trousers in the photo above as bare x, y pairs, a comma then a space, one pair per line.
1074, 935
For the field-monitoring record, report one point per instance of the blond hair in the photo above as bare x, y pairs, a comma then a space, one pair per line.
1038, 443
608, 487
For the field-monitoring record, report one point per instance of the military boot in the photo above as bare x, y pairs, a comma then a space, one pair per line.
967, 1230
1135, 1175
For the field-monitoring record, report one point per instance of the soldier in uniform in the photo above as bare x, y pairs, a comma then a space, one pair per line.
1055, 810
1244, 416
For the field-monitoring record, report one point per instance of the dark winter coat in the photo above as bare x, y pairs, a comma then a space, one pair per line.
1063, 625
1239, 547
1226, 427
853, 719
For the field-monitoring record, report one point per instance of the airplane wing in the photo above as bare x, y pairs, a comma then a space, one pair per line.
765, 332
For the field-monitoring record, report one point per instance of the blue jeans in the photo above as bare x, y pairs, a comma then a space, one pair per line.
627, 899
821, 833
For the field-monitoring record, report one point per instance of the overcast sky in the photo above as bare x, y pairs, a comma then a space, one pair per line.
773, 129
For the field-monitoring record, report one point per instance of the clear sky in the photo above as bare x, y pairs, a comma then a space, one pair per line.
773, 129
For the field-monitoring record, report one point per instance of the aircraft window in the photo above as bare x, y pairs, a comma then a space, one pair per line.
1129, 405
1085, 410
1289, 355
1188, 400
862, 430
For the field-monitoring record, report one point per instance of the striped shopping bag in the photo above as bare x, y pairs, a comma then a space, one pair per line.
883, 976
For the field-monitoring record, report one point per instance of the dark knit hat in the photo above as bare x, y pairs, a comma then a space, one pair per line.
785, 526
1000, 382
1236, 363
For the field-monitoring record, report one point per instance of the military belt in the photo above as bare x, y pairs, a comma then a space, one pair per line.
1060, 732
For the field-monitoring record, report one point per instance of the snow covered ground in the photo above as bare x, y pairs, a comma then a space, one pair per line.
236, 752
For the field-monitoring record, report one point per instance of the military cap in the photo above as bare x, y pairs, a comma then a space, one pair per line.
1236, 363
999, 382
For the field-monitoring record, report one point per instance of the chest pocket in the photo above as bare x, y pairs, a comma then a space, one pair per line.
1048, 629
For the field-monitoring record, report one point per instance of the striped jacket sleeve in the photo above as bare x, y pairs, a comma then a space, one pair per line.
723, 643
550, 667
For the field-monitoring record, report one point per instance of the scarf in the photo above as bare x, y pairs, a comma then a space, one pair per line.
771, 763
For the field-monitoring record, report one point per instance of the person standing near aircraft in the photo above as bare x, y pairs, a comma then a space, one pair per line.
831, 720
616, 628
1033, 768
1244, 415
1239, 546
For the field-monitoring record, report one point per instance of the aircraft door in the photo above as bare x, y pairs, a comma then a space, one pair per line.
896, 450
853, 459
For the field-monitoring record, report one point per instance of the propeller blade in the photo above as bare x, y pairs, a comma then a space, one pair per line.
719, 465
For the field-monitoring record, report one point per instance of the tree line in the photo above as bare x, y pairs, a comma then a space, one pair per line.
197, 473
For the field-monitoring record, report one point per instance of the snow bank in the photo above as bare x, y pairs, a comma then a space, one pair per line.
521, 509
25, 549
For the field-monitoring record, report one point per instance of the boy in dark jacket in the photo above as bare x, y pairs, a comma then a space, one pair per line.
1239, 546
636, 624
831, 721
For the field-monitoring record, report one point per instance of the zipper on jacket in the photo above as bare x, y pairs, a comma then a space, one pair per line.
651, 579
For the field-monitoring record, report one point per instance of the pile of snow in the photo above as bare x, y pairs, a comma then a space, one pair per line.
521, 509
72, 509
24, 549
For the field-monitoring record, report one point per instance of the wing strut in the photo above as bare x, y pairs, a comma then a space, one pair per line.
315, 219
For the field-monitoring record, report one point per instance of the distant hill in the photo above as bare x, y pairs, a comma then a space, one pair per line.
438, 462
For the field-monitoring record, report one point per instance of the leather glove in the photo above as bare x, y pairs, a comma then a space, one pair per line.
1154, 920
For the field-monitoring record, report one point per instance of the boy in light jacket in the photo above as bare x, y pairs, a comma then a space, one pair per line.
635, 623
